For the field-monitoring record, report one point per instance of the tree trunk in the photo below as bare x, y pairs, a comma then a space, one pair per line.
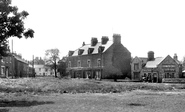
55, 69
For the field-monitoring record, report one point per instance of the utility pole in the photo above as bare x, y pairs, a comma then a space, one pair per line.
12, 59
33, 72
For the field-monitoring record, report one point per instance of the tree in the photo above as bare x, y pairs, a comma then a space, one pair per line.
62, 67
51, 58
183, 62
11, 25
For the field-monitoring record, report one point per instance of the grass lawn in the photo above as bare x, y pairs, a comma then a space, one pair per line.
81, 95
131, 101
50, 85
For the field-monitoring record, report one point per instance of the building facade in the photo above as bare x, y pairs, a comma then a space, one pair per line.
137, 65
157, 69
99, 59
14, 66
43, 70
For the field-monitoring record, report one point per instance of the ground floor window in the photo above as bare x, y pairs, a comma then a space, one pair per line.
169, 75
88, 74
150, 77
136, 75
2, 70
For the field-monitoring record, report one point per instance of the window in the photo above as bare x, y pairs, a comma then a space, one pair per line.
2, 70
46, 69
169, 75
172, 75
89, 63
136, 66
79, 63
39, 69
99, 62
69, 64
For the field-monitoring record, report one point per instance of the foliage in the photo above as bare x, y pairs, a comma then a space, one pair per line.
51, 58
62, 66
11, 25
47, 84
183, 62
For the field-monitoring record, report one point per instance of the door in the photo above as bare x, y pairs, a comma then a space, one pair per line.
6, 72
136, 75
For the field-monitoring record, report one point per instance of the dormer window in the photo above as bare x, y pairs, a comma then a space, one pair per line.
80, 51
70, 53
100, 49
90, 50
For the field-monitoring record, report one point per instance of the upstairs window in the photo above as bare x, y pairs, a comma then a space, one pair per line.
46, 69
136, 66
89, 63
69, 64
39, 69
99, 62
79, 63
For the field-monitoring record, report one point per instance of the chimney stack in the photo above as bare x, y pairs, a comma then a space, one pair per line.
83, 44
151, 56
94, 41
104, 39
175, 57
117, 38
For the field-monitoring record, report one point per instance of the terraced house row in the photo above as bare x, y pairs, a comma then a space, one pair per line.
14, 66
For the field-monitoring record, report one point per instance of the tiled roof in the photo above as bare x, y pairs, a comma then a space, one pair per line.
143, 59
154, 63
21, 60
178, 62
95, 51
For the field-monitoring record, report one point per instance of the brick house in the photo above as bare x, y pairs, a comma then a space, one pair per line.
157, 69
99, 59
14, 66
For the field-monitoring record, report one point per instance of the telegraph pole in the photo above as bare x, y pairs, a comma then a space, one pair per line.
12, 59
33, 67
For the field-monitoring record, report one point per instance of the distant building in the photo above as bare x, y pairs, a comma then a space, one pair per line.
99, 59
43, 70
137, 65
156, 69
15, 66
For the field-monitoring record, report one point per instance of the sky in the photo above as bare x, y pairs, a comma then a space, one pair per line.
144, 25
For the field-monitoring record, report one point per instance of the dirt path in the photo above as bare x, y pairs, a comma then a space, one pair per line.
135, 101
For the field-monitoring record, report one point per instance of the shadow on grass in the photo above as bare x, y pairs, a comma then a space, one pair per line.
136, 104
4, 110
14, 103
